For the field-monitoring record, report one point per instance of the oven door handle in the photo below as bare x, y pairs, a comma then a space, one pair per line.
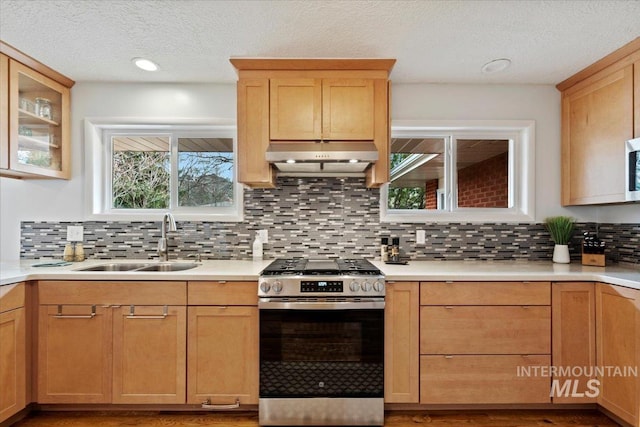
278, 304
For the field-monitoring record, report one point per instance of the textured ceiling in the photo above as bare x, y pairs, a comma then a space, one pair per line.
433, 41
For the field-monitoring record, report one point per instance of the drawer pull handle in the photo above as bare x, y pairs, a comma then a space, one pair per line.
132, 314
450, 282
448, 356
222, 281
448, 307
207, 405
59, 315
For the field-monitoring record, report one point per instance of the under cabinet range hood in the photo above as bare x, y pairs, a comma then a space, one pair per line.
336, 158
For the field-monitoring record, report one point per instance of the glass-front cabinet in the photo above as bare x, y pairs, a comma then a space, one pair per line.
35, 123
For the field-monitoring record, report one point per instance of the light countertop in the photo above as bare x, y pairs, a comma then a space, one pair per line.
629, 276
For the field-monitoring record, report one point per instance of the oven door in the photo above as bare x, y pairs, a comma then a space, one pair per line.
322, 349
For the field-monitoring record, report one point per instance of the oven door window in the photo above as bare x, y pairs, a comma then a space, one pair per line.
321, 353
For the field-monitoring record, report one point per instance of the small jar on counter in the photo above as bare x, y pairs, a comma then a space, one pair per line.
69, 252
79, 253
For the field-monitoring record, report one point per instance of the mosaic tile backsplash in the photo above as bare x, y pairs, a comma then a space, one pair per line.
320, 218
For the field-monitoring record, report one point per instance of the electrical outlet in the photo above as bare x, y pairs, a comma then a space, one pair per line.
420, 237
75, 233
264, 235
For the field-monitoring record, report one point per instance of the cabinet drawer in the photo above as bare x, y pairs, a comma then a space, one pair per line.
483, 379
485, 293
485, 330
11, 297
222, 293
113, 292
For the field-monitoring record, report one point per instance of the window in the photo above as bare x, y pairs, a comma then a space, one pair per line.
146, 169
477, 171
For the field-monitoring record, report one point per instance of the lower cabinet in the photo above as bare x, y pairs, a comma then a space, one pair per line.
12, 350
94, 349
618, 344
223, 364
573, 341
483, 379
75, 351
490, 352
149, 359
401, 353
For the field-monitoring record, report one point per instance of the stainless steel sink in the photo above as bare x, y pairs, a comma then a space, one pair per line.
142, 267
169, 266
114, 267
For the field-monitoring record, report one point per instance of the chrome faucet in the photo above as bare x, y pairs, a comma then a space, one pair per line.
163, 247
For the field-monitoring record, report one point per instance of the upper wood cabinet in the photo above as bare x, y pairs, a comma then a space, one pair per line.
599, 113
34, 118
311, 100
321, 109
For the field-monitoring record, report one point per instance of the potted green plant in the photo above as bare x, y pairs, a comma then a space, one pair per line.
561, 229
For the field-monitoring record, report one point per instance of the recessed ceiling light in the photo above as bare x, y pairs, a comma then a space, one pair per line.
145, 64
353, 161
496, 65
290, 161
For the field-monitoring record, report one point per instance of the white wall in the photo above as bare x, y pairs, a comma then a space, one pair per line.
35, 200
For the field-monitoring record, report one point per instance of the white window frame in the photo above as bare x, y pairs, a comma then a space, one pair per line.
520, 133
98, 156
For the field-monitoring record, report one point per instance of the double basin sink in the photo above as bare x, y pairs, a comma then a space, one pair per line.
142, 267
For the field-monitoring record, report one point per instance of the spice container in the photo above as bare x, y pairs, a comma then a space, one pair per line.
69, 252
384, 249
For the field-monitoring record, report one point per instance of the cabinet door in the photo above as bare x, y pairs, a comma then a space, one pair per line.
597, 119
12, 363
401, 325
223, 355
296, 109
618, 344
253, 133
485, 330
483, 379
149, 354
573, 336
74, 354
38, 124
378, 173
4, 111
347, 109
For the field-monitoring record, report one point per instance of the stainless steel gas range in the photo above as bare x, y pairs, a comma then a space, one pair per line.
321, 343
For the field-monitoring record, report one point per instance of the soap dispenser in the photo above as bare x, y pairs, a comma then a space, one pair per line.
257, 248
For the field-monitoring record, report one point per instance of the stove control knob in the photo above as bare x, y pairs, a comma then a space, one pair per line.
265, 287
366, 286
277, 286
354, 286
378, 286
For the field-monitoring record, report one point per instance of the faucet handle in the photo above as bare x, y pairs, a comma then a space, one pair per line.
197, 256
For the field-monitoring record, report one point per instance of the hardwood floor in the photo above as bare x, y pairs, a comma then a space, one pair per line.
497, 418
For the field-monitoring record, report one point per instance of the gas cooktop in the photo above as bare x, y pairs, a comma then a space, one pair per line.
324, 267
